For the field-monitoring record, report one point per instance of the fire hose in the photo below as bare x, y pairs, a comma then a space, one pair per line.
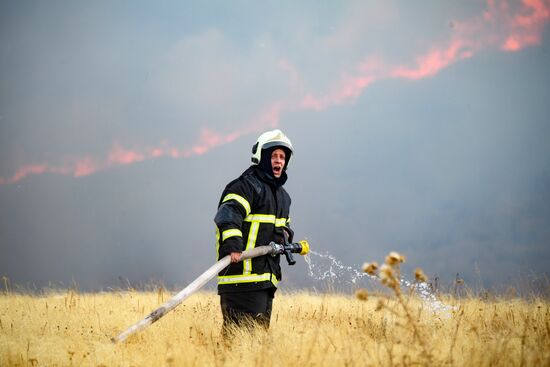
272, 249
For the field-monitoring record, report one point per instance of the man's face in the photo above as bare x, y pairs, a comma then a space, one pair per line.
278, 162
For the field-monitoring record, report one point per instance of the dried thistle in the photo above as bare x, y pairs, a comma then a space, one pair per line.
419, 275
394, 258
386, 272
387, 276
370, 268
362, 294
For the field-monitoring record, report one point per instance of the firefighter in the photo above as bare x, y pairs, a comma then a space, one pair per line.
253, 211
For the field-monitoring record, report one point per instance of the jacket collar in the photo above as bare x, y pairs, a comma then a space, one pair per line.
268, 178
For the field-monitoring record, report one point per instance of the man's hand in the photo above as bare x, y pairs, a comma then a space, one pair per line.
235, 257
289, 234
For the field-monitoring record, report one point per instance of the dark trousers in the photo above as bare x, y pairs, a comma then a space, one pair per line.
247, 308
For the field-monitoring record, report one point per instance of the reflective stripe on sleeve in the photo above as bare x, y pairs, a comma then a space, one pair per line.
231, 233
280, 222
240, 200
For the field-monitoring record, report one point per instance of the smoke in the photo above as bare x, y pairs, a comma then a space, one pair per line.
508, 27
119, 156
418, 127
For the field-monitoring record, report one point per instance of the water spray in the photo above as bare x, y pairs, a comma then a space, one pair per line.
272, 249
335, 271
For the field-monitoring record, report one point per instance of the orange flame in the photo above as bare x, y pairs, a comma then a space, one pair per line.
526, 28
431, 63
496, 27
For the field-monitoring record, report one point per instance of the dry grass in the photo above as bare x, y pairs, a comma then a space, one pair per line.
307, 330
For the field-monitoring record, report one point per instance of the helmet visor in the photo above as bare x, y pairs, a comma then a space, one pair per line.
272, 144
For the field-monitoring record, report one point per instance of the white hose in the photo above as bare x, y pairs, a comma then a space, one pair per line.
189, 290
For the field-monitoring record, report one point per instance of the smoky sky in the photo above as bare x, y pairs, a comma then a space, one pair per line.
421, 128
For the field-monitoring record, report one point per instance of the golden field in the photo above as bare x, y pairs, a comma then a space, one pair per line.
71, 328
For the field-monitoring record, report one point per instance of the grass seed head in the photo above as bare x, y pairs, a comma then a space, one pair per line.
386, 271
419, 275
394, 258
387, 276
370, 268
362, 294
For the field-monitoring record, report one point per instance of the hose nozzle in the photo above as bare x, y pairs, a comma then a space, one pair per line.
305, 247
288, 249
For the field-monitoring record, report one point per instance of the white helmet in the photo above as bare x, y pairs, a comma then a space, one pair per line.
273, 138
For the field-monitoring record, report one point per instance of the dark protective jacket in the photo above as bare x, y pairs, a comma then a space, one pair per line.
252, 212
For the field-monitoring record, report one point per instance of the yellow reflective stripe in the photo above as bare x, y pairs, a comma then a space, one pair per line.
247, 278
251, 243
280, 222
240, 199
266, 218
231, 233
255, 220
262, 218
217, 244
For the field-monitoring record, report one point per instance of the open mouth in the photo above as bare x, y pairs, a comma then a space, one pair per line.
277, 169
